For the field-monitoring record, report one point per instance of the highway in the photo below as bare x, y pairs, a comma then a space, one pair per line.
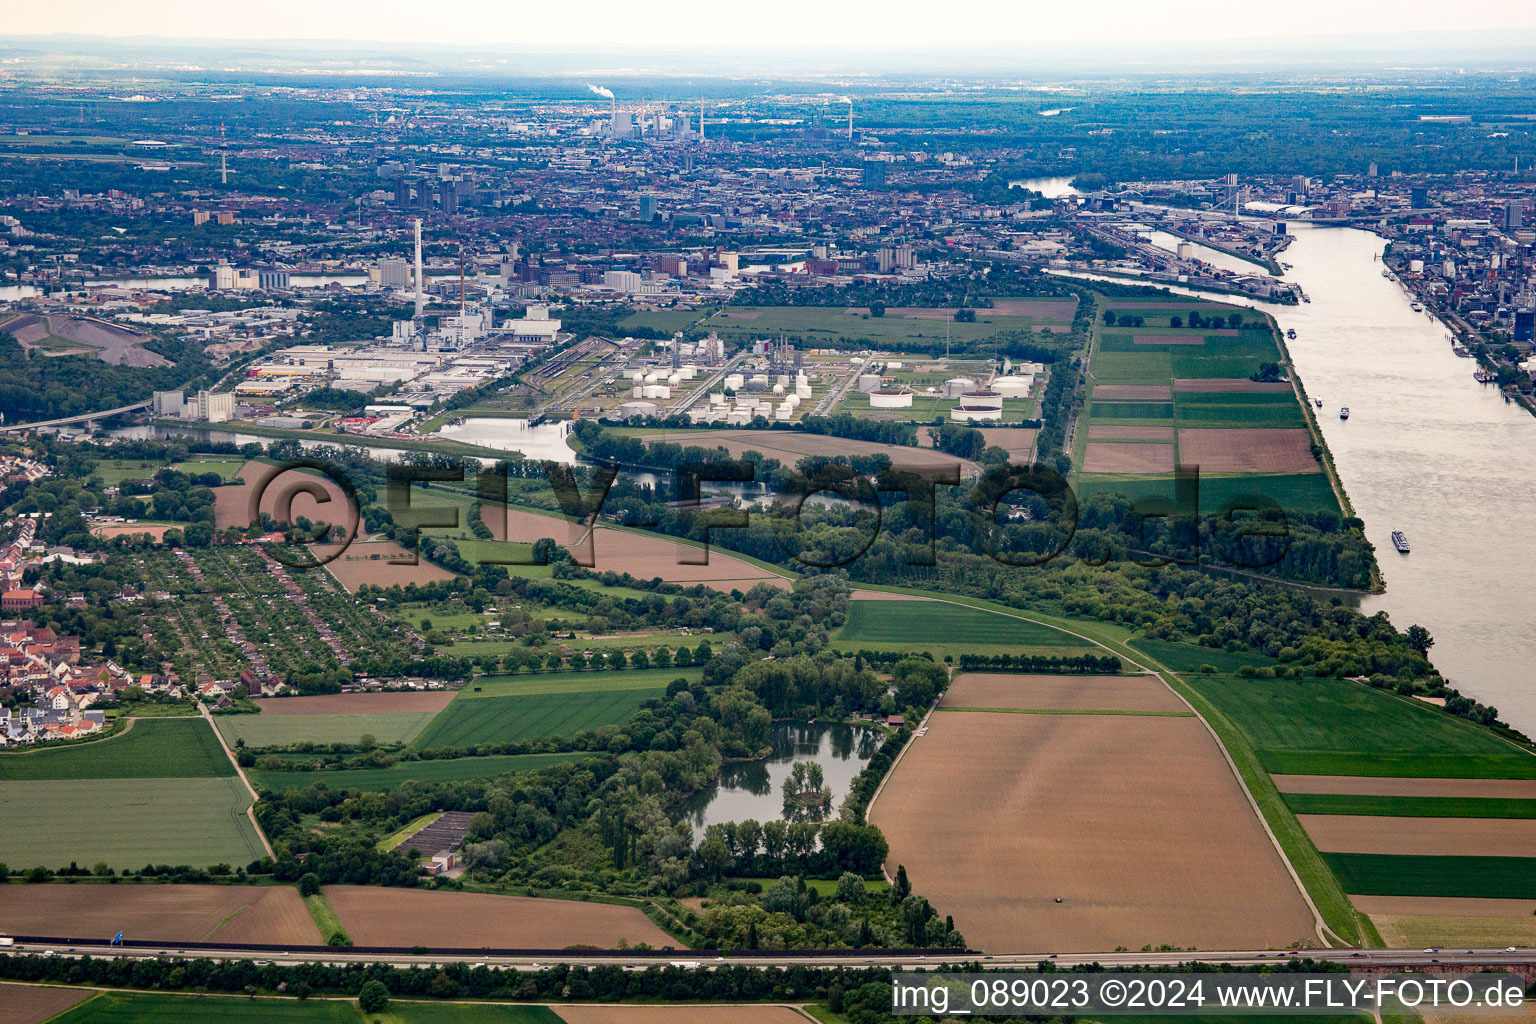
87, 417
1461, 957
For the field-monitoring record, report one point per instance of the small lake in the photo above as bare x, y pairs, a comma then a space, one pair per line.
544, 441
751, 789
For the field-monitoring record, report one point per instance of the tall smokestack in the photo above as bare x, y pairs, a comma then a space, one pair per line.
421, 295
850, 120
701, 120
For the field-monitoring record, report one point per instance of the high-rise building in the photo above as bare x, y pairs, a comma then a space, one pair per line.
1525, 325
647, 208
873, 175
394, 274
214, 408
403, 192
168, 404
1418, 198
450, 198
1514, 215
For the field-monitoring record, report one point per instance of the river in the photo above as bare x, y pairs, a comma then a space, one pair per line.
1426, 450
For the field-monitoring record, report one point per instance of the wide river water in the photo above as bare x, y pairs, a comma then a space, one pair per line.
1426, 450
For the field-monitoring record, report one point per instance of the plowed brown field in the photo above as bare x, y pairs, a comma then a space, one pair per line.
232, 502
1248, 450
33, 1004
418, 917
1127, 457
159, 913
1115, 432
1135, 823
1061, 693
1229, 384
369, 561
1366, 785
641, 555
1430, 837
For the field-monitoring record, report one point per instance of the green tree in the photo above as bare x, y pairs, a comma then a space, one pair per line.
373, 997
309, 885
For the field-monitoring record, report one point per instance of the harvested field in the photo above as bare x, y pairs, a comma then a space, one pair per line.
1168, 339
156, 532
1230, 384
1133, 392
1113, 432
674, 1014
1248, 450
1428, 837
1506, 789
881, 595
232, 502
1135, 823
1018, 442
33, 1004
1127, 457
643, 556
1061, 693
790, 446
1043, 309
411, 917
283, 730
1432, 921
356, 703
268, 914
370, 562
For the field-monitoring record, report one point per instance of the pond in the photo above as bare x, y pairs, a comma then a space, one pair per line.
751, 789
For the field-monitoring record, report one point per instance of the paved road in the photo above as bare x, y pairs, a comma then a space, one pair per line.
1494, 958
65, 421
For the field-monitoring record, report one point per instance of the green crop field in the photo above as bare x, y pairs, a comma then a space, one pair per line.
160, 1008
378, 780
1154, 366
1384, 874
471, 1013
905, 622
282, 730
1410, 806
153, 748
126, 822
1337, 727
576, 682
468, 722
1229, 414
1132, 410
115, 471
1183, 657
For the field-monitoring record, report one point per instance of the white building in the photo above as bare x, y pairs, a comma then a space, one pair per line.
214, 408
167, 404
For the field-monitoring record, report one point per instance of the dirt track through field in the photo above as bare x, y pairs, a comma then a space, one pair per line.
159, 913
1061, 692
1367, 785
1248, 450
410, 917
356, 703
1135, 823
1432, 837
641, 555
1127, 457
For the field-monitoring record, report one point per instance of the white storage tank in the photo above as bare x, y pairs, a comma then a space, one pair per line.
735, 381
792, 400
957, 386
890, 399
717, 398
784, 412
1017, 386
869, 382
981, 399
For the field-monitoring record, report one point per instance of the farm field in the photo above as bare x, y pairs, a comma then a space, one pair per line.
155, 531
372, 561
1334, 726
523, 685
1421, 921
266, 730
151, 748
679, 1014
1444, 837
474, 719
1061, 692
411, 917
127, 823
1409, 806
1154, 793
1490, 789
644, 556
33, 1004
379, 780
263, 914
1181, 657
909, 623
125, 1008
357, 703
1382, 874
790, 446
232, 504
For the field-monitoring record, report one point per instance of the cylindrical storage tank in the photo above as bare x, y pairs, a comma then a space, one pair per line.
735, 381
717, 399
890, 399
1013, 387
869, 382
639, 390
957, 386
981, 400
1415, 266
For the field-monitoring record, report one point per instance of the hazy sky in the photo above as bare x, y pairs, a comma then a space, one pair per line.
821, 25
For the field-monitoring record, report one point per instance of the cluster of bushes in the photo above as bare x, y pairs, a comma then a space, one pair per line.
1084, 664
